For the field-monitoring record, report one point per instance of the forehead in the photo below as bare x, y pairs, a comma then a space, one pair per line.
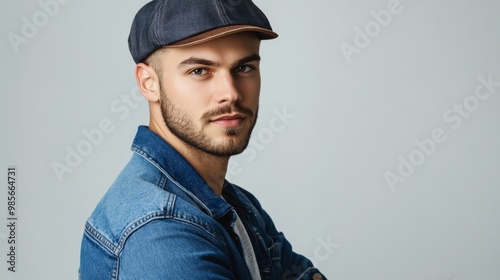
226, 49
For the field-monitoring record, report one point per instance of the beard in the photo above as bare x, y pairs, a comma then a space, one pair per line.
233, 141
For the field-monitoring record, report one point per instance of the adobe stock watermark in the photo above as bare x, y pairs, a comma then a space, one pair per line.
324, 250
93, 137
32, 25
454, 117
363, 37
261, 138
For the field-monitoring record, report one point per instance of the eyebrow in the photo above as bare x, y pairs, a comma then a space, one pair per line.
202, 61
252, 57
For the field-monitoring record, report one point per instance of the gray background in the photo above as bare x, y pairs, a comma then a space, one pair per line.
320, 172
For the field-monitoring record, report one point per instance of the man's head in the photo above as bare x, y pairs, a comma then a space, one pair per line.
203, 90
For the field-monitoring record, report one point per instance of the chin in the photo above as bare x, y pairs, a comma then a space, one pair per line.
229, 147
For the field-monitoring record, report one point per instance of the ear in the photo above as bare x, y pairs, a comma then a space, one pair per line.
148, 82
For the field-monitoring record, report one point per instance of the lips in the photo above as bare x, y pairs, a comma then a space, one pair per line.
230, 117
233, 120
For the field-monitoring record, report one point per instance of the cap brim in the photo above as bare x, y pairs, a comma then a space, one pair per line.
263, 33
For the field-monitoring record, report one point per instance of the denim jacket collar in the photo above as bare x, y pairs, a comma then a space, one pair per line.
151, 146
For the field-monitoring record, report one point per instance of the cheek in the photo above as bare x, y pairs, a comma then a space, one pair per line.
251, 91
188, 95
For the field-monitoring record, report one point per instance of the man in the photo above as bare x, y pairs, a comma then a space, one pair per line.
170, 214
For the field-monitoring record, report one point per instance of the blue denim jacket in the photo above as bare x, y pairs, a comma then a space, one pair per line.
160, 220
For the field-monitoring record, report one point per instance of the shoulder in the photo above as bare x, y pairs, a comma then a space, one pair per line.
132, 202
127, 240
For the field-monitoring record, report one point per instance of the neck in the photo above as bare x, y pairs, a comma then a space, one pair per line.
211, 168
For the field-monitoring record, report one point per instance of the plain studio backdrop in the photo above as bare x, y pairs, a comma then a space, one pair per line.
376, 152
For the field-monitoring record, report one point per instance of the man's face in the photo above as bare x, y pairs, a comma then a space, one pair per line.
210, 93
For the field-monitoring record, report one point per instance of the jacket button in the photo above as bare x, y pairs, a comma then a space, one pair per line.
317, 276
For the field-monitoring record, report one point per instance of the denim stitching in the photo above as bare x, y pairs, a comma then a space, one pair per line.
155, 21
99, 238
223, 11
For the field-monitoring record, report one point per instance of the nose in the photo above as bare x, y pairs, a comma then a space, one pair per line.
227, 90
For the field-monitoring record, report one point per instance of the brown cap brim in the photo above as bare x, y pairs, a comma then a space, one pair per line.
263, 34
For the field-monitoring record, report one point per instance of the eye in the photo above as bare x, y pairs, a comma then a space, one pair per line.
199, 71
244, 68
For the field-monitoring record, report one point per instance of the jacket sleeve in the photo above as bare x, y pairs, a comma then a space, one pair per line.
293, 265
173, 249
